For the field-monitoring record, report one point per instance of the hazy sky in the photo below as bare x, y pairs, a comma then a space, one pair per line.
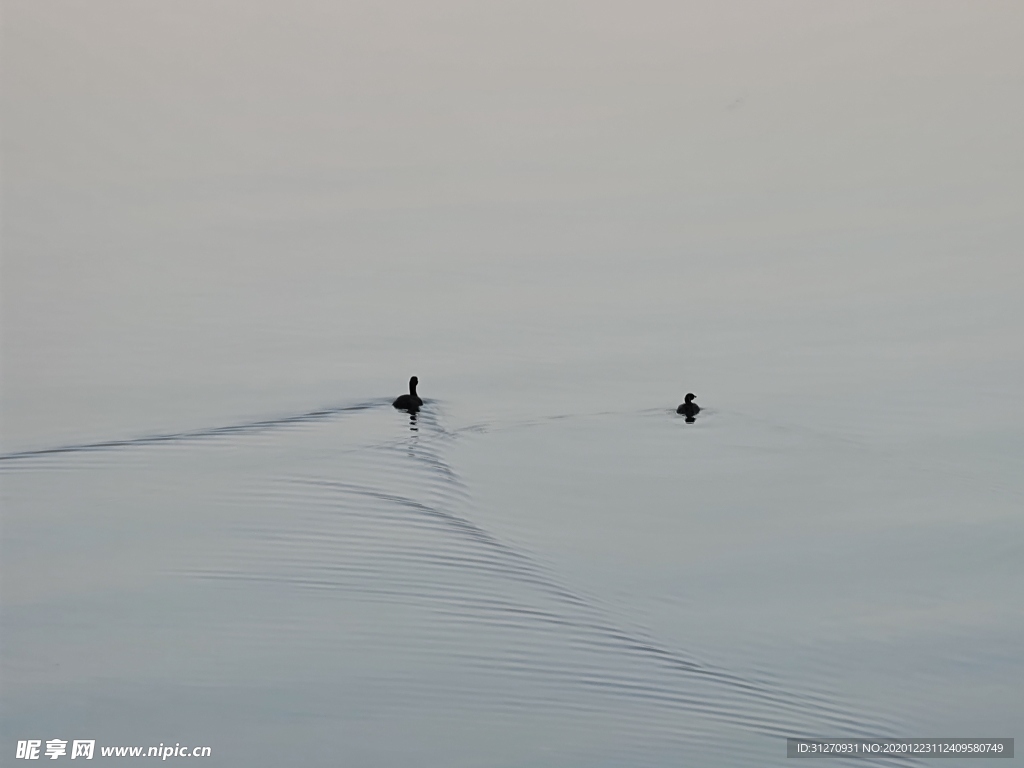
227, 166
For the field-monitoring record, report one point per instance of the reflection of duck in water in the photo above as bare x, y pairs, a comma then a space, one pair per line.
689, 409
412, 401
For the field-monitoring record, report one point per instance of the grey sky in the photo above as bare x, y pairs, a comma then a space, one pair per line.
225, 166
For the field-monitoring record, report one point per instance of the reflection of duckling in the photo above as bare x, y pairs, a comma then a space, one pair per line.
689, 408
412, 401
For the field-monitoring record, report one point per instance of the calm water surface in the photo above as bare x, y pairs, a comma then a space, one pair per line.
220, 267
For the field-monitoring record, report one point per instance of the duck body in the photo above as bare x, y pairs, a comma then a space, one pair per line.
411, 401
688, 408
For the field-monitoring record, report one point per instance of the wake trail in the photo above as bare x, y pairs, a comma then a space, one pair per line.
279, 422
261, 425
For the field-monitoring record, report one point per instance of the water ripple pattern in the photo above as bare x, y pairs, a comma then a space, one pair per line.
393, 523
369, 540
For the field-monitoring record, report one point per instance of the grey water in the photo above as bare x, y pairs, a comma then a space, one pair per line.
233, 231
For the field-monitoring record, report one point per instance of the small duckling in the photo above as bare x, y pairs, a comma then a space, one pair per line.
689, 409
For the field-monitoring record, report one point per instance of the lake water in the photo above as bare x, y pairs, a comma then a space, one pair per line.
232, 233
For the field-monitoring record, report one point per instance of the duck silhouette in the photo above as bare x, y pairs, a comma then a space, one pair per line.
412, 401
689, 409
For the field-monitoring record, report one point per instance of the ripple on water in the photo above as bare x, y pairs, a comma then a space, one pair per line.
348, 556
